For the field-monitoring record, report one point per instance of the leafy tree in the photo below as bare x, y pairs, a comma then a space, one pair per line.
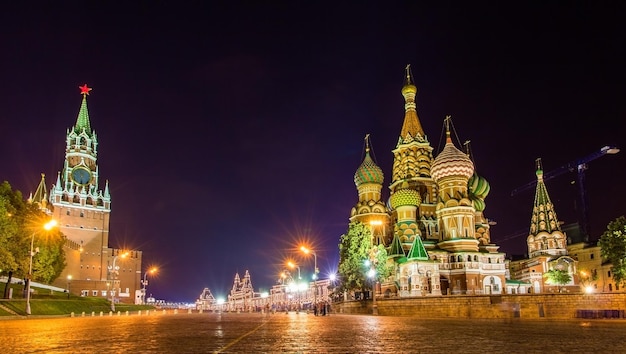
557, 277
21, 223
354, 250
10, 203
613, 248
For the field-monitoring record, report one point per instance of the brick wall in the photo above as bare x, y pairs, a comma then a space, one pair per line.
530, 306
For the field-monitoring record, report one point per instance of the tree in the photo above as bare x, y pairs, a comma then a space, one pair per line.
613, 248
354, 250
19, 223
557, 277
9, 227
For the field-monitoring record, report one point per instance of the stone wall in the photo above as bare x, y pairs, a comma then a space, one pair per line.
529, 306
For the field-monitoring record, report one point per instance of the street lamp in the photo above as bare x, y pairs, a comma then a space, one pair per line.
69, 283
144, 283
47, 226
332, 277
297, 286
307, 251
292, 265
114, 270
372, 262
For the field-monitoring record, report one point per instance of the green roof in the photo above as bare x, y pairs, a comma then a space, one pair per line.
417, 250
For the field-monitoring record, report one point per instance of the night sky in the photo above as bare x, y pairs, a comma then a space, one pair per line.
230, 133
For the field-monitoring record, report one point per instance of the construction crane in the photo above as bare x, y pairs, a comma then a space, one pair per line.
579, 166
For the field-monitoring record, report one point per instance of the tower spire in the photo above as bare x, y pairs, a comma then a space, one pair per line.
411, 128
544, 216
82, 122
41, 194
545, 236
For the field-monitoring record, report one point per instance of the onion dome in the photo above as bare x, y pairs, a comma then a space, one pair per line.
368, 172
404, 196
478, 190
409, 89
451, 162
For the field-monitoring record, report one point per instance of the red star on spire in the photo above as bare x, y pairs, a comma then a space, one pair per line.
84, 90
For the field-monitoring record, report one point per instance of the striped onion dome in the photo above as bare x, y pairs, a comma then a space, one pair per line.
368, 172
478, 190
404, 196
451, 162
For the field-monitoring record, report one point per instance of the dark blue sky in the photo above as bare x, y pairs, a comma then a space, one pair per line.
231, 132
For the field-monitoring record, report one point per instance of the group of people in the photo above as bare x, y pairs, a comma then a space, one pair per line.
321, 309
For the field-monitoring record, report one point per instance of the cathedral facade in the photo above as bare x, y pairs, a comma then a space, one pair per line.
432, 225
82, 210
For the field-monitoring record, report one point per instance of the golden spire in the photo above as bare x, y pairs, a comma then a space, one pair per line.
411, 128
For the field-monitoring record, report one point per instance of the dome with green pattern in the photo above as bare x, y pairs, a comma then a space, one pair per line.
478, 190
368, 172
404, 196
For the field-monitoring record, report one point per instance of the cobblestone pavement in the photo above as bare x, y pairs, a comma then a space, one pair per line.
305, 333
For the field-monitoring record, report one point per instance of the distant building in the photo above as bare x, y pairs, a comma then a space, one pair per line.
288, 295
206, 301
594, 273
83, 211
547, 246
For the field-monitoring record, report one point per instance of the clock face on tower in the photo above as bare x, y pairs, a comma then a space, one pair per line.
81, 175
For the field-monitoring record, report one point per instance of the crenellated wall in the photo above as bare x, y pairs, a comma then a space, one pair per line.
529, 306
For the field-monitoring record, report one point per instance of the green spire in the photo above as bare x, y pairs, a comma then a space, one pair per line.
417, 250
396, 251
82, 122
543, 217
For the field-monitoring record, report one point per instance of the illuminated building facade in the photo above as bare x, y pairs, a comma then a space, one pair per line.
551, 247
547, 246
286, 295
83, 211
433, 227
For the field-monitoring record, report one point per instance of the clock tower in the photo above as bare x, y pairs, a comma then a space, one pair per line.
83, 213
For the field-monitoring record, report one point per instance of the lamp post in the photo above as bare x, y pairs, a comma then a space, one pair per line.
69, 283
292, 265
307, 251
332, 277
372, 262
144, 283
113, 270
297, 287
48, 226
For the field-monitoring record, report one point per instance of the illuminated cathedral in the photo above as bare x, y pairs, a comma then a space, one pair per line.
432, 225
